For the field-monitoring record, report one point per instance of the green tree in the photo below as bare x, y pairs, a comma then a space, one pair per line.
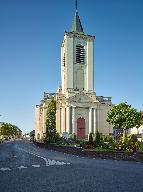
123, 116
51, 133
8, 130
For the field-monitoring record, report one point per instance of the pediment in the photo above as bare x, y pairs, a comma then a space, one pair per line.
82, 98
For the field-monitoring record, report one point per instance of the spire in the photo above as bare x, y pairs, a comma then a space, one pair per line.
76, 25
76, 5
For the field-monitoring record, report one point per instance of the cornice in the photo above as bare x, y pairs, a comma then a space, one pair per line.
80, 36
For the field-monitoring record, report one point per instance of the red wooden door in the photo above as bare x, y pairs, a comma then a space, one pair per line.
81, 128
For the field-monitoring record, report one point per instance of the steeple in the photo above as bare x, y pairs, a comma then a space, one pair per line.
76, 25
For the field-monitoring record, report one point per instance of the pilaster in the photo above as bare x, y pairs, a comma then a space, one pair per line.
90, 120
94, 124
67, 119
73, 120
62, 120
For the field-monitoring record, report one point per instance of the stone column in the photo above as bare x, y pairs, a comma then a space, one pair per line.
68, 120
97, 120
94, 124
62, 120
65, 120
90, 120
59, 120
73, 120
44, 120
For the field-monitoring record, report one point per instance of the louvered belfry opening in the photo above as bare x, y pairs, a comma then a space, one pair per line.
80, 54
64, 60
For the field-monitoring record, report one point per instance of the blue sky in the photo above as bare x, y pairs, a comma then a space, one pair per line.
31, 32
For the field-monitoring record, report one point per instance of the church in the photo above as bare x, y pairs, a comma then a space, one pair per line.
78, 110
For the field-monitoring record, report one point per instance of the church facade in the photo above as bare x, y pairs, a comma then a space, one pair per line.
78, 110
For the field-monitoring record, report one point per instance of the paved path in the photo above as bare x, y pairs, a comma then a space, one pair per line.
25, 167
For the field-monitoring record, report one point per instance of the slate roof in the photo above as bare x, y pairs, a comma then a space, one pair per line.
76, 25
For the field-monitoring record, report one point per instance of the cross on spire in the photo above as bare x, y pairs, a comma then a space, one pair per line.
76, 5
76, 25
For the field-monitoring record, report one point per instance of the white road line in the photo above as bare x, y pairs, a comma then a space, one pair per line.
60, 163
37, 166
5, 169
47, 161
52, 162
22, 167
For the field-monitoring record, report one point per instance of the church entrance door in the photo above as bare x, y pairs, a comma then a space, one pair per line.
81, 128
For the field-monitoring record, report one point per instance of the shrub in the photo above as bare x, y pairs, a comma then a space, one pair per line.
141, 146
109, 139
108, 142
129, 144
88, 146
107, 145
74, 137
90, 141
75, 140
98, 139
52, 137
85, 144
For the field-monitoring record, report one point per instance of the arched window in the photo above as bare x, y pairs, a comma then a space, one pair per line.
80, 54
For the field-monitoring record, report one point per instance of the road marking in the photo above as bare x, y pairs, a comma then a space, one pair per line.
47, 161
60, 163
37, 166
5, 169
22, 167
51, 162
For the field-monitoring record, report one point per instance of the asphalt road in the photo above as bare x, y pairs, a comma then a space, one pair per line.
25, 167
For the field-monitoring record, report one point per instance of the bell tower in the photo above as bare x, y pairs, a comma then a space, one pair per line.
78, 110
77, 59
